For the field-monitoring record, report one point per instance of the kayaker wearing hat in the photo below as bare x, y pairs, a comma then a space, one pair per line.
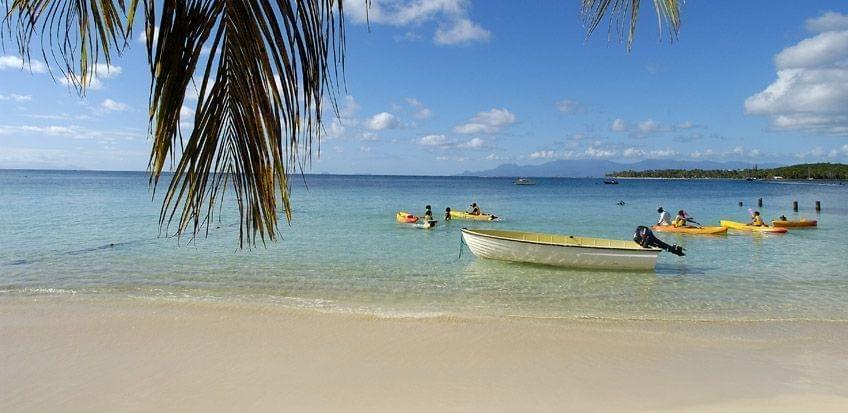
475, 210
665, 217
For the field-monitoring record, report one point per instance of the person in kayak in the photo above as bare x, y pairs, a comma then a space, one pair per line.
447, 214
783, 218
475, 210
757, 220
428, 214
665, 217
680, 220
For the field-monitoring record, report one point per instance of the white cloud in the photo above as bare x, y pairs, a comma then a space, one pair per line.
369, 137
474, 143
16, 98
543, 155
382, 121
112, 105
142, 35
706, 153
186, 113
619, 125
810, 93
824, 49
648, 127
829, 21
17, 63
433, 140
94, 77
569, 106
633, 153
455, 28
461, 31
651, 126
599, 153
493, 157
419, 110
489, 122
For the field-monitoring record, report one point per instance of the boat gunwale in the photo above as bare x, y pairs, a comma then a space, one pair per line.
635, 248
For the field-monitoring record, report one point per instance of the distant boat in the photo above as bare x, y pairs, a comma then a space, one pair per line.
750, 179
610, 181
523, 181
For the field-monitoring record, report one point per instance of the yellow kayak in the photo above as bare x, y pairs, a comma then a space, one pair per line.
794, 224
465, 215
690, 230
745, 227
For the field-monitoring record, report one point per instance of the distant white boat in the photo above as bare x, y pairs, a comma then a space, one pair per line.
560, 250
523, 181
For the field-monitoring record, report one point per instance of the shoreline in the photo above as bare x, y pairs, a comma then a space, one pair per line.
76, 353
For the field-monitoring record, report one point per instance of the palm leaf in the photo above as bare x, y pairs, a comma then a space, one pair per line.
249, 130
76, 33
623, 17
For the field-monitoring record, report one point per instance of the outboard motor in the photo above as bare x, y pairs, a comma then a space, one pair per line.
645, 237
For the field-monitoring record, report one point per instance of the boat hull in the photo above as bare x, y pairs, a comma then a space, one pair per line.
484, 244
750, 228
795, 224
690, 230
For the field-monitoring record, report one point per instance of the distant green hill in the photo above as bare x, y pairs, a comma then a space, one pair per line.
802, 171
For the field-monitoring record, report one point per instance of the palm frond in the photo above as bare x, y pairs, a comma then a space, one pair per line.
623, 17
250, 130
74, 34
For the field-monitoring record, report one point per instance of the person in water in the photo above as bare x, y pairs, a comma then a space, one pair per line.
680, 219
757, 220
447, 214
665, 217
428, 213
475, 210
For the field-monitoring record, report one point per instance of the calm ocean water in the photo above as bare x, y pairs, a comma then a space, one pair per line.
96, 233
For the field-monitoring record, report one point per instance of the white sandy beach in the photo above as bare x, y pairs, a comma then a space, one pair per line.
74, 354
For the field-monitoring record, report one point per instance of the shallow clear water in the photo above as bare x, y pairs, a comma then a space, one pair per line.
344, 251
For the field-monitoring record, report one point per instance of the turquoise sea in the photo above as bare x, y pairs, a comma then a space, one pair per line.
96, 234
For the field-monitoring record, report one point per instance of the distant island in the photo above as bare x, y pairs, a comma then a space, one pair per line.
597, 168
795, 172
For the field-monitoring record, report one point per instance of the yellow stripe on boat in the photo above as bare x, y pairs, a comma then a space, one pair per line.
690, 230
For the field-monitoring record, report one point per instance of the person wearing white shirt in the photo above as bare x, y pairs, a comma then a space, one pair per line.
665, 217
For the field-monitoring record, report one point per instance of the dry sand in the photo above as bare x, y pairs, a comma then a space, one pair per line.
73, 354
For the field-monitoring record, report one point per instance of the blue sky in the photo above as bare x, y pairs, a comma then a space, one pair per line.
443, 86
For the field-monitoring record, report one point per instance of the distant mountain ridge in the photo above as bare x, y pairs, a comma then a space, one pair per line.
587, 168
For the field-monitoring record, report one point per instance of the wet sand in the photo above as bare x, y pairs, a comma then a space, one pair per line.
81, 354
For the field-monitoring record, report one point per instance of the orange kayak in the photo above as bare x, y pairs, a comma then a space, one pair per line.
690, 230
795, 224
406, 218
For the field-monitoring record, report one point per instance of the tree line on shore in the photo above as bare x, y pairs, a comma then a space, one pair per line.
801, 171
